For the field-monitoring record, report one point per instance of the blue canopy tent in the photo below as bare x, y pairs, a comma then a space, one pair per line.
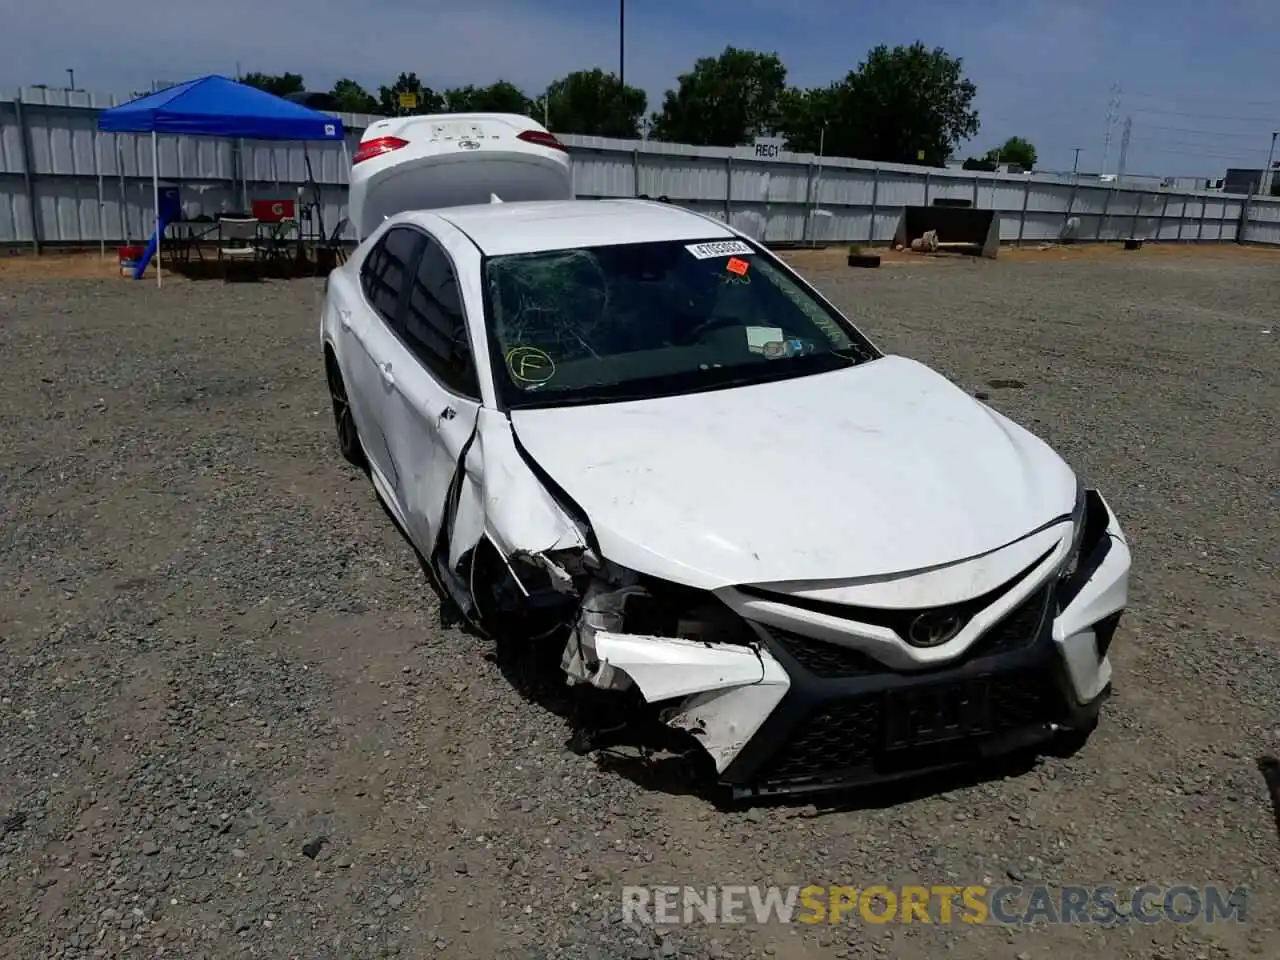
215, 106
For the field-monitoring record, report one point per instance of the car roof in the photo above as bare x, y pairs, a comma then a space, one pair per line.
502, 228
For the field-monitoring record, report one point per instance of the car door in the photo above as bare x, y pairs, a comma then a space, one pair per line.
433, 393
369, 340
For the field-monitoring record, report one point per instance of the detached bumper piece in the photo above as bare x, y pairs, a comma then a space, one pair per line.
847, 721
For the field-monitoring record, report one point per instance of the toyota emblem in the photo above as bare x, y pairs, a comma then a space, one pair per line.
469, 144
934, 628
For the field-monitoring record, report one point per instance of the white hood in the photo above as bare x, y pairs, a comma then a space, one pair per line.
882, 468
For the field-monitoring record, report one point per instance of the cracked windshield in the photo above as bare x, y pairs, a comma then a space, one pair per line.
633, 320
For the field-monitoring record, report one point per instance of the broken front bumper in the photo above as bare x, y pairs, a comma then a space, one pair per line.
793, 713
855, 727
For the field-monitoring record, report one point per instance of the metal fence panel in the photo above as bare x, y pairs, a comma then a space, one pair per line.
92, 187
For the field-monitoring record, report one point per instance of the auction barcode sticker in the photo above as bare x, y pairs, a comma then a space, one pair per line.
720, 248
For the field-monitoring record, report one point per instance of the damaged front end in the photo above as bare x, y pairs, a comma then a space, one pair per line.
777, 695
687, 655
518, 559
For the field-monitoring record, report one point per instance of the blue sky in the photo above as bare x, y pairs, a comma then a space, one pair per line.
1198, 79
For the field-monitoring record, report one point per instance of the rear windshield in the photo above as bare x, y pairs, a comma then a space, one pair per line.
638, 320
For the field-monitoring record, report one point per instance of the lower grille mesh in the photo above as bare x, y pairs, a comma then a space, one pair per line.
848, 734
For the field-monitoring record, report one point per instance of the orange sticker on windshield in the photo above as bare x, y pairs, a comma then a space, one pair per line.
737, 266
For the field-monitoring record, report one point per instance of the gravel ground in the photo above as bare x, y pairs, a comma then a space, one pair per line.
232, 723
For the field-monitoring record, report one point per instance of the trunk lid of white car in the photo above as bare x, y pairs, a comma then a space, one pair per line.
448, 160
882, 468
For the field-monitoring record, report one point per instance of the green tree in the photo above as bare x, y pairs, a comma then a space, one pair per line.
499, 97
901, 105
280, 84
724, 101
914, 99
986, 163
353, 98
389, 97
803, 116
595, 104
1014, 150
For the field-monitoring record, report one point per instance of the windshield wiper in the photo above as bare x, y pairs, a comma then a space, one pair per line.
691, 381
596, 393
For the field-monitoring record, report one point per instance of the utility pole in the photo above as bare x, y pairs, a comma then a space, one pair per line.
1124, 148
622, 42
1266, 174
71, 75
1113, 114
1075, 164
822, 151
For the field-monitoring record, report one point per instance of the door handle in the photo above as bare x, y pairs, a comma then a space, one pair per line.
387, 377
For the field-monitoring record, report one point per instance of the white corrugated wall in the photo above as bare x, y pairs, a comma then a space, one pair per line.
91, 186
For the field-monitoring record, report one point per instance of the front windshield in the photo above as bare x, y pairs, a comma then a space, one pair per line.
637, 320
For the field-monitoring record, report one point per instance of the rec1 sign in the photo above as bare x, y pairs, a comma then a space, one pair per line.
769, 148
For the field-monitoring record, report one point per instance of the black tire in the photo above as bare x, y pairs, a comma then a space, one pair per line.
501, 614
343, 421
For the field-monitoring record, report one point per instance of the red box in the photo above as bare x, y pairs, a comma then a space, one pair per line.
273, 211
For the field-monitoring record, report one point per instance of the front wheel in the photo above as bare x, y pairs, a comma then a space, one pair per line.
344, 422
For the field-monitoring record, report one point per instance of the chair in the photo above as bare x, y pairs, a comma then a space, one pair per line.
187, 237
175, 245
335, 245
238, 242
282, 243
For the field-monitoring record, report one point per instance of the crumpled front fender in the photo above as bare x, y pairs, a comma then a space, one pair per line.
1082, 630
719, 693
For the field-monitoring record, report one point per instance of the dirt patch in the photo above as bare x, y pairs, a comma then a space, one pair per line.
62, 266
216, 650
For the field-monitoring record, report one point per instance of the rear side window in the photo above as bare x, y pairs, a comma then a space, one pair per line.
385, 272
434, 325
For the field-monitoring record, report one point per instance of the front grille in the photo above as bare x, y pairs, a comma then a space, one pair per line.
847, 735
841, 737
1017, 630
1021, 699
827, 660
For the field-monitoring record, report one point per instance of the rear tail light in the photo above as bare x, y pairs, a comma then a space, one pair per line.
377, 147
542, 139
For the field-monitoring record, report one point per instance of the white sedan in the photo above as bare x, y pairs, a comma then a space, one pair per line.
625, 426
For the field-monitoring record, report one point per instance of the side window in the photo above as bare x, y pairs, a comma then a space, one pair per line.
434, 325
384, 274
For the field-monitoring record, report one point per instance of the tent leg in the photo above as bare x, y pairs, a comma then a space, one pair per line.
155, 189
124, 195
244, 179
97, 166
346, 166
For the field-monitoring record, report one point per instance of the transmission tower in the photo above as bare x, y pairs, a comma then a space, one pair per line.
1113, 115
1124, 148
